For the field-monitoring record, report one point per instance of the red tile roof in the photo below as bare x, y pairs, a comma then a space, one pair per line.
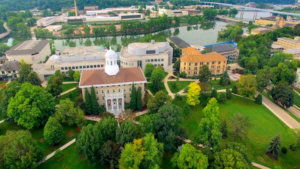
99, 77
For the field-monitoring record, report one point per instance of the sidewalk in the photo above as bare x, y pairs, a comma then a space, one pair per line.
280, 113
63, 93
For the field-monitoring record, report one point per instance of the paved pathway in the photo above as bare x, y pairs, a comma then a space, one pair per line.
93, 118
295, 110
3, 35
2, 121
170, 74
63, 93
280, 113
61, 148
259, 166
71, 82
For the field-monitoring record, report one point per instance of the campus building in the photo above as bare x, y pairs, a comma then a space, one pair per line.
9, 70
113, 84
77, 59
139, 54
30, 51
276, 22
230, 51
288, 43
192, 60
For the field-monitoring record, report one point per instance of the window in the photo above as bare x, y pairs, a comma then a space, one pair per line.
219, 62
155, 60
196, 64
84, 67
80, 67
76, 67
190, 64
119, 90
162, 60
150, 52
107, 91
201, 63
213, 62
98, 65
114, 91
207, 63
87, 66
102, 91
91, 66
73, 67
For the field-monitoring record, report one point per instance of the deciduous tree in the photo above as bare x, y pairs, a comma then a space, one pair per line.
149, 69
127, 132
246, 85
159, 99
156, 78
229, 158
240, 125
205, 74
193, 94
53, 131
283, 94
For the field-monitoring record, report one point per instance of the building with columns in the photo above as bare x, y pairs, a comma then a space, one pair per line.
113, 84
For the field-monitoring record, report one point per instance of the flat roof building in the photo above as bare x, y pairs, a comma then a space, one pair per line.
30, 51
140, 54
192, 60
77, 59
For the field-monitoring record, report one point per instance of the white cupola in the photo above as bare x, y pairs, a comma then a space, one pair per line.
111, 66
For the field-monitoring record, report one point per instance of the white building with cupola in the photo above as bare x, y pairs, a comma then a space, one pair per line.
113, 84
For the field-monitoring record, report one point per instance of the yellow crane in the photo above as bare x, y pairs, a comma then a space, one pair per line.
75, 8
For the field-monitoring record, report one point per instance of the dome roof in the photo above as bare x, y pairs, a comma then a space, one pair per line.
110, 54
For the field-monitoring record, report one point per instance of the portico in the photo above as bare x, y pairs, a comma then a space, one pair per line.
114, 103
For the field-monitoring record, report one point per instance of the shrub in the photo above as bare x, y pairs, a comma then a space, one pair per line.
228, 94
222, 98
234, 89
293, 147
284, 150
258, 99
53, 131
183, 75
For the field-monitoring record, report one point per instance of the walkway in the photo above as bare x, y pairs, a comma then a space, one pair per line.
3, 35
70, 82
295, 110
280, 113
2, 121
61, 148
63, 93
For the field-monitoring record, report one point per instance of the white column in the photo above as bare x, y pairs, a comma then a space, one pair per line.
106, 105
117, 103
123, 102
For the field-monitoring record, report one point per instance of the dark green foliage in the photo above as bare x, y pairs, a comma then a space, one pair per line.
214, 93
284, 150
7, 93
148, 70
204, 98
156, 79
53, 131
31, 106
176, 65
239, 148
71, 73
27, 75
293, 147
186, 109
34, 79
224, 129
224, 80
205, 74
228, 93
139, 102
88, 105
229, 158
110, 154
94, 102
274, 148
19, 150
159, 99
283, 95
55, 82
2, 29
222, 97
133, 98
234, 89
127, 132
259, 99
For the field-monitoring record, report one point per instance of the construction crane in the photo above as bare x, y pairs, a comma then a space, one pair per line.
75, 8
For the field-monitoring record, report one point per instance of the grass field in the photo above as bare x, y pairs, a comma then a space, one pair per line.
179, 85
37, 134
215, 84
264, 126
71, 95
70, 159
66, 87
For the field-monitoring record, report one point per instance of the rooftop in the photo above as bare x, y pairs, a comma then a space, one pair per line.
193, 55
10, 65
29, 47
292, 51
179, 42
220, 48
290, 40
80, 53
98, 77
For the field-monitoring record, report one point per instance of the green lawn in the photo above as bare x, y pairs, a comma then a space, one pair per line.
296, 99
70, 159
37, 134
66, 87
176, 86
215, 84
71, 95
163, 88
264, 126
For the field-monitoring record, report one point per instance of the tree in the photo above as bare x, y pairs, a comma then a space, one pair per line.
94, 102
110, 154
92, 138
229, 158
27, 75
143, 153
76, 76
209, 13
156, 79
246, 85
19, 150
283, 95
228, 93
87, 99
224, 80
176, 65
71, 73
127, 132
263, 78
274, 148
193, 94
159, 99
239, 148
86, 30
210, 126
148, 70
3, 49
283, 74
240, 125
133, 98
31, 106
224, 129
139, 102
231, 33
53, 131
205, 74
222, 97
189, 157
146, 123
166, 126
54, 85
67, 113
259, 99
234, 89
34, 79
8, 92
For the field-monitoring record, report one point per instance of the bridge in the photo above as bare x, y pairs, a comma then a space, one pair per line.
251, 9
